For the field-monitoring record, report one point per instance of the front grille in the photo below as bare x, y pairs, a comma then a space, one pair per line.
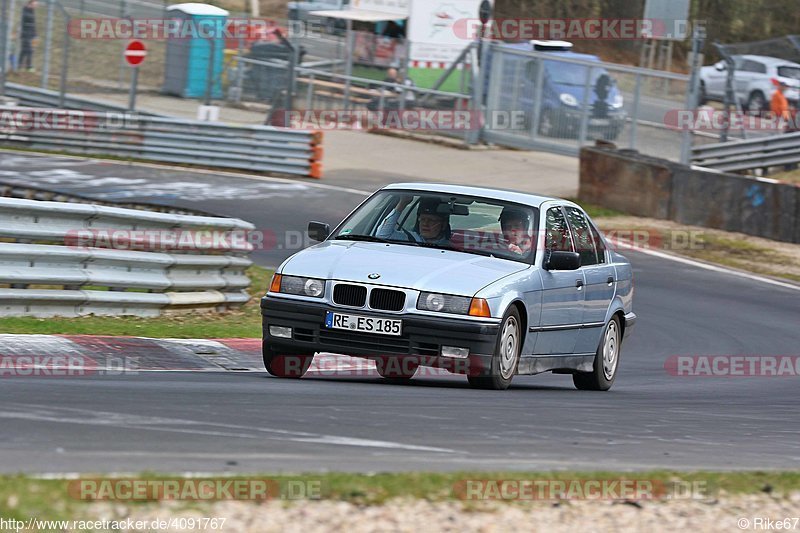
378, 344
350, 295
387, 300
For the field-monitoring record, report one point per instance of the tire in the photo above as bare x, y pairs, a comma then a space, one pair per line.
606, 362
288, 366
394, 369
703, 100
505, 359
756, 103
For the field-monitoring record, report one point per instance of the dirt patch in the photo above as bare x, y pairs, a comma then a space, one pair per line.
736, 250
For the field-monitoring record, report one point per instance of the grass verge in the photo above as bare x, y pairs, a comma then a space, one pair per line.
22, 497
242, 323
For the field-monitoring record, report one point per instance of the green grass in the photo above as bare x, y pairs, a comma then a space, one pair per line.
22, 496
243, 323
791, 176
596, 211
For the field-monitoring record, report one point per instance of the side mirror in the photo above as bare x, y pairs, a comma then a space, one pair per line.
318, 231
562, 261
720, 66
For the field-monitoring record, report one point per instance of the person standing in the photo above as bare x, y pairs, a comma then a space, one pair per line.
27, 36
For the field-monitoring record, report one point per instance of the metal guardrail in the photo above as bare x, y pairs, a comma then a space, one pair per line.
776, 150
36, 97
69, 259
254, 148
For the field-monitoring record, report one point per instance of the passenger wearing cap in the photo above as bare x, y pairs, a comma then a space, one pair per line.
432, 226
515, 224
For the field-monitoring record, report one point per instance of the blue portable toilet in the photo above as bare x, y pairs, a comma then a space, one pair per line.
187, 66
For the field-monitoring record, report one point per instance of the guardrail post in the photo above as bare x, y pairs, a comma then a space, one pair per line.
637, 97
585, 108
692, 99
310, 92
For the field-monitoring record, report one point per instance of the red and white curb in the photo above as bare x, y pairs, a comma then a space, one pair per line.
105, 355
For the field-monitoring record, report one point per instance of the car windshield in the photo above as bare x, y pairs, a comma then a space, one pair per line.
568, 74
468, 224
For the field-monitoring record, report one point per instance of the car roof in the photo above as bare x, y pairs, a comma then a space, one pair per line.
466, 190
768, 60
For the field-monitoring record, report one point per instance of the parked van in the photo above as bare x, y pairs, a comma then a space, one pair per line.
563, 91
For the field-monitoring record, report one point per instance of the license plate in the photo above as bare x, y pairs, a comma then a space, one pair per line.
599, 122
364, 324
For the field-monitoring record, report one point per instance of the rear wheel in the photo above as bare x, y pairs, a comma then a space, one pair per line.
506, 355
756, 103
606, 362
282, 365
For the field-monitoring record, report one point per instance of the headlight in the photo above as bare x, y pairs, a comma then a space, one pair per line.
618, 101
443, 303
314, 288
568, 99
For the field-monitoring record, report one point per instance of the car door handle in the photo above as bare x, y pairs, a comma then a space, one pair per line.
579, 284
610, 280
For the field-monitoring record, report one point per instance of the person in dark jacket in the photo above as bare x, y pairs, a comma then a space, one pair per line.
27, 35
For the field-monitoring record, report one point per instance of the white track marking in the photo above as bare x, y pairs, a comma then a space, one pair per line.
628, 246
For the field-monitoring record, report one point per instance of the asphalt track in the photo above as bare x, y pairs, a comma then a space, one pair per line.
228, 421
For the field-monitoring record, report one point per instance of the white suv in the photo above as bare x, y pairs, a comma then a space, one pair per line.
754, 81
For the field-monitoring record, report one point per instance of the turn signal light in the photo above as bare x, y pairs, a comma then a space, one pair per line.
275, 286
479, 307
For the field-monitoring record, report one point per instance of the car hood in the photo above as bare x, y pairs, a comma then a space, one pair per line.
401, 266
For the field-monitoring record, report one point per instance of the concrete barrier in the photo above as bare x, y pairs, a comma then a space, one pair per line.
650, 187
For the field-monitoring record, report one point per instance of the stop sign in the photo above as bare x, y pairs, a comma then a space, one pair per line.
135, 53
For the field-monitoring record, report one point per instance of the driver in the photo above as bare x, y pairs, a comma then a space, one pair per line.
515, 223
432, 226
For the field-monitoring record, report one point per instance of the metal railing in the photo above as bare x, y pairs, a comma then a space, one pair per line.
67, 259
254, 148
749, 154
35, 97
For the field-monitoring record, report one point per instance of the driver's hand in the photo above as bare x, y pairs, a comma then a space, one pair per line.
404, 201
516, 249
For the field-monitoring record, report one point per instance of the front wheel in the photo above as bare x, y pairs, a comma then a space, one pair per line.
606, 362
506, 355
288, 366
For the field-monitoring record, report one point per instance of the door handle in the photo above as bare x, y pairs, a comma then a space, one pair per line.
610, 280
579, 284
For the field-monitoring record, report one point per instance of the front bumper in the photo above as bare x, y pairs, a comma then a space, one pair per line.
421, 341
568, 121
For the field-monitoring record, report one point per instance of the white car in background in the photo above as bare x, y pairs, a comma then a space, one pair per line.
754, 81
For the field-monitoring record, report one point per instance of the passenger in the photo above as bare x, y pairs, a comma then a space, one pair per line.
516, 224
432, 226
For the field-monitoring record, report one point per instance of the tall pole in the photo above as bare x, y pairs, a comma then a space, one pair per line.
48, 42
4, 24
692, 100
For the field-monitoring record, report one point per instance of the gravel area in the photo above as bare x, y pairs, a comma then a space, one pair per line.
722, 514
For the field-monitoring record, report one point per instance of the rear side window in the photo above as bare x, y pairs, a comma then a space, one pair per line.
599, 245
558, 238
789, 72
584, 241
754, 66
